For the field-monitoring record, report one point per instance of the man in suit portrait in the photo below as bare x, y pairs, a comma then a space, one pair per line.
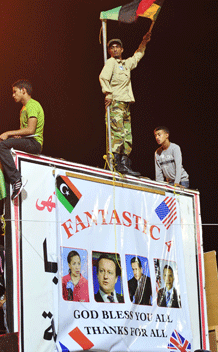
168, 296
140, 285
107, 274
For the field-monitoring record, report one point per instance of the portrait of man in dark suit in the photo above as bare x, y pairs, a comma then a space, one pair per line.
140, 284
168, 296
107, 274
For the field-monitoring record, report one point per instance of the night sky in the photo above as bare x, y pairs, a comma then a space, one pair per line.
55, 44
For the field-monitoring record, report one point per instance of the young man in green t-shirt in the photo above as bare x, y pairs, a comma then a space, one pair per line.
29, 138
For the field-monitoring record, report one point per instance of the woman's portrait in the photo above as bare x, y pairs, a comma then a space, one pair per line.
74, 284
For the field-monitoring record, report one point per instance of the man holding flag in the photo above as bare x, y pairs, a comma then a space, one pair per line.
116, 85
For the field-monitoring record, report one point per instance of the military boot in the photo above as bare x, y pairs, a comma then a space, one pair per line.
126, 164
117, 164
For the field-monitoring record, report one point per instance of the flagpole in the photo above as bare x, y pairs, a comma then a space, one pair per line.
104, 33
151, 26
109, 151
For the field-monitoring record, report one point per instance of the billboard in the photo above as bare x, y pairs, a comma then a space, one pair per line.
104, 263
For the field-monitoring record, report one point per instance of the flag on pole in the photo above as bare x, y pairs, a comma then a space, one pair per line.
129, 13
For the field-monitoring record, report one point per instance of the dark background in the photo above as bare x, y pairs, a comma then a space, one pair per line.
55, 44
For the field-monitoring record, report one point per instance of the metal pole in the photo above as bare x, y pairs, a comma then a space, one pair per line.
109, 151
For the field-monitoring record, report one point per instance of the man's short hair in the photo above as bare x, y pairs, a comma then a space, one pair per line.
168, 267
106, 256
136, 260
164, 128
114, 41
23, 83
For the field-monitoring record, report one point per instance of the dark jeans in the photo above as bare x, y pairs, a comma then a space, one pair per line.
182, 183
28, 145
185, 184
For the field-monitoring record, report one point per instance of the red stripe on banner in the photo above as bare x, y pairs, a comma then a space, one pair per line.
166, 200
171, 222
17, 236
178, 336
200, 269
166, 220
172, 211
81, 339
169, 217
172, 216
177, 344
170, 200
71, 185
143, 6
171, 203
76, 166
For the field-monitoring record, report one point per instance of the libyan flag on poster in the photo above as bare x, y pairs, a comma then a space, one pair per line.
129, 13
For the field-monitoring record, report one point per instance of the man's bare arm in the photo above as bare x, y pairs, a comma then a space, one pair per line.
145, 40
30, 129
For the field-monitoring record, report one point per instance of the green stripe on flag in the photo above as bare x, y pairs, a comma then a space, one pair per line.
110, 14
64, 201
3, 193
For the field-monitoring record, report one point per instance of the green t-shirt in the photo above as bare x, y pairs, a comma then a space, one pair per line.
33, 109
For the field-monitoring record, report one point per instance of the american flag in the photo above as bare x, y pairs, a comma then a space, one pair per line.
166, 211
178, 343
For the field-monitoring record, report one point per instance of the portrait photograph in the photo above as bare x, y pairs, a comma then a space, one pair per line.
74, 274
107, 277
139, 281
167, 284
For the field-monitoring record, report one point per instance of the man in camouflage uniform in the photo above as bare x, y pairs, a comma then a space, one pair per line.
116, 85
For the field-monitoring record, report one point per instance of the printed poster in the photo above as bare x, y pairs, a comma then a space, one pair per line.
121, 278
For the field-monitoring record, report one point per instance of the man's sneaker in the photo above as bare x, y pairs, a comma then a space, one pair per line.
17, 188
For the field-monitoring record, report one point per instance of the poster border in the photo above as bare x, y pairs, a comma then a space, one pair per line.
93, 175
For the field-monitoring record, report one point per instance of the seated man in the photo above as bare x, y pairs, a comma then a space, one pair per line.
29, 138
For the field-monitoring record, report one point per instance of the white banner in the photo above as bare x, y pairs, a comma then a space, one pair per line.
35, 285
122, 283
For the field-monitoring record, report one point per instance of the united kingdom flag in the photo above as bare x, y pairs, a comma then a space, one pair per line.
166, 211
178, 343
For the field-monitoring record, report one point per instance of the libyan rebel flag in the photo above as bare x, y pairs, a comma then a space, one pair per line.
129, 13
67, 193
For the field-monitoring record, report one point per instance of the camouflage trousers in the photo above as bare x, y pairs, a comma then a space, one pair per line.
120, 121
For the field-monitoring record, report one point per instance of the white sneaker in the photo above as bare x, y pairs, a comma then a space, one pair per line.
17, 187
